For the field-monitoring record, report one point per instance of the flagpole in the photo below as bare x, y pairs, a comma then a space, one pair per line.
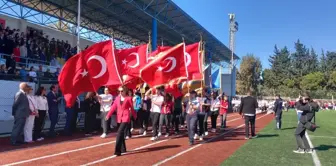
78, 25
202, 62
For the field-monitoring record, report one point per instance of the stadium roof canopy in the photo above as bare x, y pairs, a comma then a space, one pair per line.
130, 21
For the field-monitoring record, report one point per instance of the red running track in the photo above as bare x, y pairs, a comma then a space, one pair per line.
167, 151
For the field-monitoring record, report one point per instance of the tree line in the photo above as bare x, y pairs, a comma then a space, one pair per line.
290, 73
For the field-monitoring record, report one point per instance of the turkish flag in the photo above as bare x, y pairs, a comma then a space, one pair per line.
131, 60
74, 79
173, 89
159, 49
102, 64
132, 82
167, 66
194, 61
193, 58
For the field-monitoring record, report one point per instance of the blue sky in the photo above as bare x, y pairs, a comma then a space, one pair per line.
264, 23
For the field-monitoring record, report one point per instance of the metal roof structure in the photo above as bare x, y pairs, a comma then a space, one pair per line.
130, 21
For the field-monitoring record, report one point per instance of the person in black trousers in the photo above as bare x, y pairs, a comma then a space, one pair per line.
278, 111
42, 106
91, 105
177, 113
247, 108
309, 107
123, 104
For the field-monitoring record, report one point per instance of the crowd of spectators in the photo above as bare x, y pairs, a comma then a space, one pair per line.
19, 48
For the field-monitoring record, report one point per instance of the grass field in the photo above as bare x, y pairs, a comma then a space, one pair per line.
274, 147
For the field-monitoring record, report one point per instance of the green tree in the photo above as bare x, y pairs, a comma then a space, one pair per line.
332, 81
313, 63
300, 60
313, 81
331, 61
249, 74
323, 62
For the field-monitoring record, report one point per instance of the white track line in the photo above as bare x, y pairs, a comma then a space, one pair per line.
65, 152
316, 160
76, 150
111, 157
202, 143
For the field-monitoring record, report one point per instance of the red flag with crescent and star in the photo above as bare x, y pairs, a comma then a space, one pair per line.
167, 66
89, 70
131, 60
193, 59
72, 80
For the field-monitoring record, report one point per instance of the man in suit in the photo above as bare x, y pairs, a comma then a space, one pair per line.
53, 109
278, 111
248, 107
20, 111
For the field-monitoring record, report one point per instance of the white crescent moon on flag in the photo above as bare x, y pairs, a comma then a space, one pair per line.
173, 61
137, 60
103, 65
188, 58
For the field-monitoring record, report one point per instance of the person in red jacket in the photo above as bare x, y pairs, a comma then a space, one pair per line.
224, 104
124, 106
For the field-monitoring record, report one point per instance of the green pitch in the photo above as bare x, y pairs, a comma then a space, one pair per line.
274, 148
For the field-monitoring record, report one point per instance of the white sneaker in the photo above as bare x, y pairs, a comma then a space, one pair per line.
132, 129
167, 135
40, 139
103, 135
206, 133
195, 137
159, 134
201, 138
127, 137
144, 133
154, 138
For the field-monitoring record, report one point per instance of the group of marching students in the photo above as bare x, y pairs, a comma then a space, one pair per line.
132, 109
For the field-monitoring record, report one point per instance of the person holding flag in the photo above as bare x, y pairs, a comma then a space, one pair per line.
192, 108
124, 106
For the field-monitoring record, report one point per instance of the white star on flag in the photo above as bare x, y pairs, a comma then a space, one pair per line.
84, 73
124, 61
160, 68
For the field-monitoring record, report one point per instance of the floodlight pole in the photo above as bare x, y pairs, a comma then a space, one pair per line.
233, 28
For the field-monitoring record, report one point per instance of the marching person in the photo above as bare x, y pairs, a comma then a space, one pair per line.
278, 111
105, 101
204, 103
145, 112
247, 109
28, 129
214, 110
157, 100
42, 107
224, 105
20, 111
91, 107
308, 108
165, 116
192, 109
124, 106
177, 112
137, 102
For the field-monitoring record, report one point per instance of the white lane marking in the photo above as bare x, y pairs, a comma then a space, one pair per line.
65, 152
111, 157
202, 143
316, 160
76, 150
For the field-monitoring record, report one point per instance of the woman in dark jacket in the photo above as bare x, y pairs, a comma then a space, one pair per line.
91, 105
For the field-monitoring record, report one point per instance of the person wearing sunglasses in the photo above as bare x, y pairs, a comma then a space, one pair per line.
123, 104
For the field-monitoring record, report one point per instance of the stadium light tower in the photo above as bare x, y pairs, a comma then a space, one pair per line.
232, 30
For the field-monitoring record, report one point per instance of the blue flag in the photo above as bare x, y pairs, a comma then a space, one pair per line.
215, 79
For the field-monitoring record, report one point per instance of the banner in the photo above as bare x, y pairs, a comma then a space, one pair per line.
3, 23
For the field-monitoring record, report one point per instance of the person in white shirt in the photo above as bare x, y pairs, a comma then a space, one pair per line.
42, 107
214, 110
28, 129
192, 109
157, 101
105, 106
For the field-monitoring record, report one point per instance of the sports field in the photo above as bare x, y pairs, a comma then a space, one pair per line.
274, 147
